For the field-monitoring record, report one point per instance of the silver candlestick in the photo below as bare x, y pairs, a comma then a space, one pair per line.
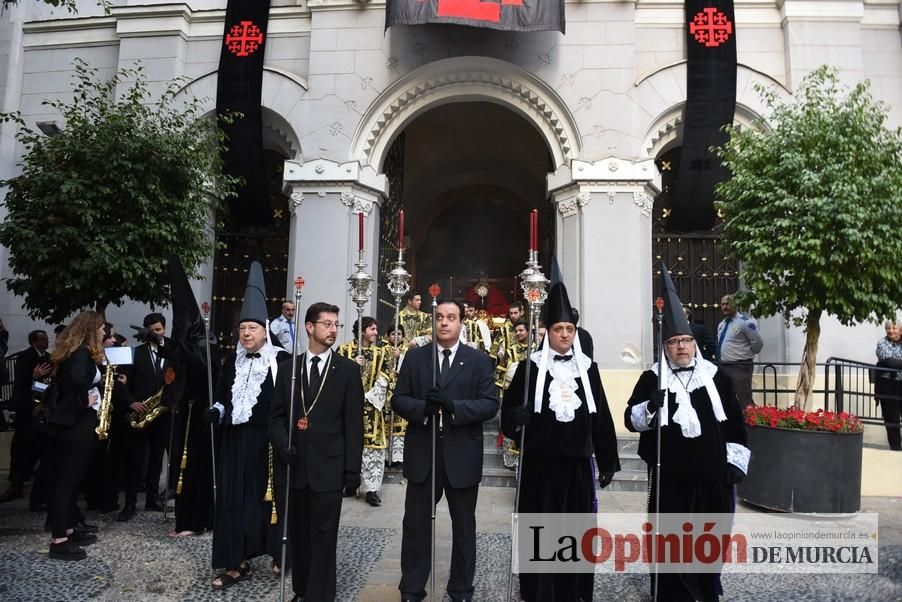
360, 287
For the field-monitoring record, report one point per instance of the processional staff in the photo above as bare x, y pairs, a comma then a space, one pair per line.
205, 309
535, 291
398, 285
298, 285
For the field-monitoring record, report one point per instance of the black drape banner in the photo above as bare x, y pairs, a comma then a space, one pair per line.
239, 89
710, 104
509, 15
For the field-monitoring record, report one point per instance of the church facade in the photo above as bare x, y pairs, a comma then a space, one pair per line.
468, 130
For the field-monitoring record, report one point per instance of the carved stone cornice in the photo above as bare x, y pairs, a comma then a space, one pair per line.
644, 202
355, 203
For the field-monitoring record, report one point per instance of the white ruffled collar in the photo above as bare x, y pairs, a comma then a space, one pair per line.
563, 400
685, 415
249, 376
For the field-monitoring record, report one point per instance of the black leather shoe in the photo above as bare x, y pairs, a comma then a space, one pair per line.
298, 598
80, 538
153, 506
349, 492
13, 492
86, 527
373, 499
128, 513
66, 551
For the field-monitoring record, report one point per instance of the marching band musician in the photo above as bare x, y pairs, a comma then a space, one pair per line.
516, 352
146, 379
375, 367
417, 324
71, 419
396, 425
241, 524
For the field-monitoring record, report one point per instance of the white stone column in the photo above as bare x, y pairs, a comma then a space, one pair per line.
604, 250
323, 245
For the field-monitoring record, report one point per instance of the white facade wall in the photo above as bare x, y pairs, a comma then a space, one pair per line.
613, 86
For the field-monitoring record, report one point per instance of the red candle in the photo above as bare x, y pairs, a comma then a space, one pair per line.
401, 229
531, 231
360, 229
535, 217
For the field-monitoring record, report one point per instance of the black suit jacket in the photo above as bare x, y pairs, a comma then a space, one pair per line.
23, 398
333, 443
143, 381
74, 377
470, 383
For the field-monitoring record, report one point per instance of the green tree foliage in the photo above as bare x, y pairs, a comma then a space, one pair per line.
813, 209
99, 206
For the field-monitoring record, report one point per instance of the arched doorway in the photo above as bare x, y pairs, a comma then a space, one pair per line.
467, 174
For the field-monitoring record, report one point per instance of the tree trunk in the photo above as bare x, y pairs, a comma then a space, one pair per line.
809, 359
101, 309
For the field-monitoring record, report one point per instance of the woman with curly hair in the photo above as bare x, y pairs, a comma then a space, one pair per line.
71, 423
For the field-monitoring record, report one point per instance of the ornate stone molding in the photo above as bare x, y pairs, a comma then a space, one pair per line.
295, 200
571, 205
322, 174
643, 202
568, 207
355, 203
469, 78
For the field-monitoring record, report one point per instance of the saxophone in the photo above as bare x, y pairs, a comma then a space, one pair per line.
155, 409
104, 414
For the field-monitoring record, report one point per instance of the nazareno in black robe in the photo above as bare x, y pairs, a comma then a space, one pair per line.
692, 471
557, 473
241, 523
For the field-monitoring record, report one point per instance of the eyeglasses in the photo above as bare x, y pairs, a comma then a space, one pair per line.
683, 341
329, 324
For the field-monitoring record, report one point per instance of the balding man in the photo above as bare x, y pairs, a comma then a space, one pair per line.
283, 328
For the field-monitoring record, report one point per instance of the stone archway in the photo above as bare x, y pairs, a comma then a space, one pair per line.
465, 79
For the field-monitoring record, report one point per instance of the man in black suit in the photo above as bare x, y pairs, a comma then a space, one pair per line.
464, 398
147, 378
323, 446
31, 364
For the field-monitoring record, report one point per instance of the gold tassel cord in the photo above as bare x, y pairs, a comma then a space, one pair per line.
184, 463
268, 496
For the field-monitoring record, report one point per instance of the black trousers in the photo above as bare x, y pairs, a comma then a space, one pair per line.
891, 417
313, 518
140, 445
73, 447
25, 449
416, 539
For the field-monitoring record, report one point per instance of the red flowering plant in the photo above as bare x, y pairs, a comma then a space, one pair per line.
796, 418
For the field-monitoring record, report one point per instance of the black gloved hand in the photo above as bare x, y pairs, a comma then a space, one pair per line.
605, 478
211, 415
352, 481
437, 396
432, 408
733, 475
287, 455
656, 400
522, 415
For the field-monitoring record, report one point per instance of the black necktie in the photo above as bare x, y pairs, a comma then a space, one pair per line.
685, 369
314, 374
563, 358
253, 356
446, 361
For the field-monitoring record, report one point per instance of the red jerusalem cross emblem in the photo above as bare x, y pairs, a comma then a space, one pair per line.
243, 39
711, 27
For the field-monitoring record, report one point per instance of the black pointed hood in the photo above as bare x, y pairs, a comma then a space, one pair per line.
557, 306
675, 322
253, 309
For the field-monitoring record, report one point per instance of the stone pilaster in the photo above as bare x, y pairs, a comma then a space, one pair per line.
325, 199
603, 233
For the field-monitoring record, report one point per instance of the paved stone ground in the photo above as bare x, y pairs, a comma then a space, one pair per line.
139, 561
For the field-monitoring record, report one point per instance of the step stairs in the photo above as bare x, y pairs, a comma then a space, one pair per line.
633, 475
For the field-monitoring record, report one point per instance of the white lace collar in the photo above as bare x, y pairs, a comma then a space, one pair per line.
249, 376
563, 400
685, 415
